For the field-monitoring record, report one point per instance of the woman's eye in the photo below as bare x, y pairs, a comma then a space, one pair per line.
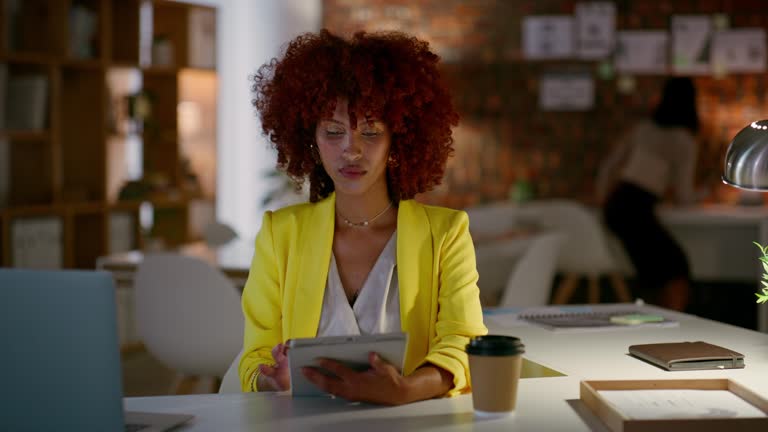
334, 132
371, 133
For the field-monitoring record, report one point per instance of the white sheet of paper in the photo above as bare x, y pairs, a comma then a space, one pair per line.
548, 37
641, 51
567, 92
691, 44
740, 50
680, 404
595, 29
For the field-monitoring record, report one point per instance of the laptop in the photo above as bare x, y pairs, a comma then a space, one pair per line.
60, 359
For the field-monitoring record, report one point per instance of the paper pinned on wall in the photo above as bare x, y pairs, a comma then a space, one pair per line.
740, 50
566, 92
691, 44
641, 51
548, 37
595, 29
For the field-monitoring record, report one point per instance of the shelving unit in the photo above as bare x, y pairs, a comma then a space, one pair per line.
66, 154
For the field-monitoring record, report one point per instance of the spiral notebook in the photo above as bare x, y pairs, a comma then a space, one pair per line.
594, 319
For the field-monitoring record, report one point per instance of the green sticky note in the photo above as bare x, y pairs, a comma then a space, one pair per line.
634, 319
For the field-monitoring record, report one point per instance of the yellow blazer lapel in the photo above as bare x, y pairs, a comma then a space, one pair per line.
414, 272
314, 251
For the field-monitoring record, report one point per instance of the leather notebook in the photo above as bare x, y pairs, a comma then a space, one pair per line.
688, 356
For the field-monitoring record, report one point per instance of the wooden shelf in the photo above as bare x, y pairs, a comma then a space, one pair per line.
30, 172
23, 135
85, 207
81, 140
34, 210
70, 167
88, 241
124, 36
26, 58
160, 71
83, 64
156, 202
4, 245
123, 65
38, 28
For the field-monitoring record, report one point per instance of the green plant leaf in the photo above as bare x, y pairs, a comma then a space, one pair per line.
762, 248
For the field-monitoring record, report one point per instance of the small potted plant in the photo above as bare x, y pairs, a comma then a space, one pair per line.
763, 297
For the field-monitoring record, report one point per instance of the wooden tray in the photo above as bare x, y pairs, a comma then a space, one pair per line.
618, 422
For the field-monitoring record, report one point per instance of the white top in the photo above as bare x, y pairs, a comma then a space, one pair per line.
653, 158
377, 308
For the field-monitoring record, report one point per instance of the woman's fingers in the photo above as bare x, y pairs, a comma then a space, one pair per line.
336, 368
326, 383
277, 351
267, 370
379, 365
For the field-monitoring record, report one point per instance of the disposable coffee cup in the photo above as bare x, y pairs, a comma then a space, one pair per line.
494, 366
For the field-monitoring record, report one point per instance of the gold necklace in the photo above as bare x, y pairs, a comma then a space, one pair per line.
366, 222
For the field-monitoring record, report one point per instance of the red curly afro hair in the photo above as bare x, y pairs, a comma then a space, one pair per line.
387, 76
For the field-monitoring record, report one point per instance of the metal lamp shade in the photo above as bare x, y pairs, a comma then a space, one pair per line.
746, 161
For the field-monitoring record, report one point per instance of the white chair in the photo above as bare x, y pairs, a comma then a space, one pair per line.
492, 219
230, 383
217, 234
530, 283
584, 252
188, 315
495, 256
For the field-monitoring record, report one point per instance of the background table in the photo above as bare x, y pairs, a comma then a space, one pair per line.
233, 259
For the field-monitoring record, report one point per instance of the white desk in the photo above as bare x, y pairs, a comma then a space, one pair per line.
544, 404
233, 259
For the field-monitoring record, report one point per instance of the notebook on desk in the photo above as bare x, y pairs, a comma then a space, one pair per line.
60, 365
680, 356
608, 317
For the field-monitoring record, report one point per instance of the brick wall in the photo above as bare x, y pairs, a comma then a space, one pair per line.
503, 136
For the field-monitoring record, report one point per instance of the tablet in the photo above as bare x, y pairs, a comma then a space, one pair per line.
351, 350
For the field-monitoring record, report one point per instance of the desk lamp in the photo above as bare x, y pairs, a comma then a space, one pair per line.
746, 167
746, 161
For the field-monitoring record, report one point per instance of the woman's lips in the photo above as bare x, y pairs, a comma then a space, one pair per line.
352, 173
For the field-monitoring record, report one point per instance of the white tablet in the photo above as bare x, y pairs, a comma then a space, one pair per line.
350, 350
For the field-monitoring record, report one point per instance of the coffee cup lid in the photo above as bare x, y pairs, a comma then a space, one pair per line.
495, 345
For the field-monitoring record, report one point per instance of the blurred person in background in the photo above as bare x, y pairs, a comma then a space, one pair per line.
654, 161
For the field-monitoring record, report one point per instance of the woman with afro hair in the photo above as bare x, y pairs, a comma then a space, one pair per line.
367, 121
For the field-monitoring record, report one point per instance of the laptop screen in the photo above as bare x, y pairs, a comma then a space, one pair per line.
60, 362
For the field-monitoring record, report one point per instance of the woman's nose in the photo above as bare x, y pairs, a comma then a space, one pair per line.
352, 150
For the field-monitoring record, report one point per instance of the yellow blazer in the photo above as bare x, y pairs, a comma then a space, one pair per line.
439, 299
